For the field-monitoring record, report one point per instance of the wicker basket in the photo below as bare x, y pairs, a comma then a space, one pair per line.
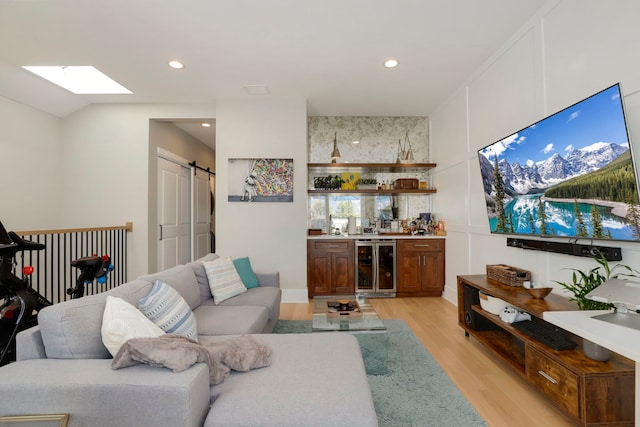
507, 275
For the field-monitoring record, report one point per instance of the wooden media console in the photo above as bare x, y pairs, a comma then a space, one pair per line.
591, 393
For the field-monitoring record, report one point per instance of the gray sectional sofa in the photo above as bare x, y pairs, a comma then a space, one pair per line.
63, 367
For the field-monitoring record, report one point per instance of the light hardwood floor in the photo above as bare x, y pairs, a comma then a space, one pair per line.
499, 396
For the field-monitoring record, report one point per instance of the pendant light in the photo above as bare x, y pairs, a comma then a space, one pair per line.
409, 152
335, 155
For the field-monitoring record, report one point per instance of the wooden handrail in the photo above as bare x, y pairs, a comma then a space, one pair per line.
128, 227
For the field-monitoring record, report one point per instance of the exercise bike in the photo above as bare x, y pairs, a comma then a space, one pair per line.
19, 302
91, 268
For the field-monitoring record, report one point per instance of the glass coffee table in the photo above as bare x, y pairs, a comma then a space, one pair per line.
358, 318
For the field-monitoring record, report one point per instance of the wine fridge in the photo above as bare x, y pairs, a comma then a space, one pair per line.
375, 268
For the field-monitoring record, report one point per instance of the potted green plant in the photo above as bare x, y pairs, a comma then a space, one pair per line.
584, 282
367, 184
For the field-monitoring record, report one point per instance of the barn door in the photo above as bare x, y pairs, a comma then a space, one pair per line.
174, 216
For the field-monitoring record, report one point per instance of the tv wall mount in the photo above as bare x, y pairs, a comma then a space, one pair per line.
576, 249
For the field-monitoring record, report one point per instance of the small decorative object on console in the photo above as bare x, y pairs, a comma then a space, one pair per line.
539, 293
492, 304
343, 307
507, 275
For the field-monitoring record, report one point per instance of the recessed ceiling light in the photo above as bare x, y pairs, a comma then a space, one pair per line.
391, 63
81, 80
176, 64
206, 125
355, 142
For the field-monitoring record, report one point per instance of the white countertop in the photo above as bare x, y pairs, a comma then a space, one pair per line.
372, 236
620, 339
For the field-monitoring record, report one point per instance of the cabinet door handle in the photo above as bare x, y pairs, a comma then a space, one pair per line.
421, 246
548, 377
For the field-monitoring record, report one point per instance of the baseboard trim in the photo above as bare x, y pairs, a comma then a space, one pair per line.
294, 296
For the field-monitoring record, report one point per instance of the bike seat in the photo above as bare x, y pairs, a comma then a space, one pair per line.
86, 262
25, 245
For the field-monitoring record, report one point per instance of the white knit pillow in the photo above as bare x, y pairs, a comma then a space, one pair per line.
165, 307
224, 280
121, 321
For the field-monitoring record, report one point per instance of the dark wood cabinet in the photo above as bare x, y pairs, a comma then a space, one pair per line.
330, 267
591, 393
420, 267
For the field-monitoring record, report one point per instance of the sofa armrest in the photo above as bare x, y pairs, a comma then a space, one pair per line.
96, 395
269, 279
29, 344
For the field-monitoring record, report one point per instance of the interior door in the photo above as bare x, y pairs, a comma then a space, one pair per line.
174, 206
201, 214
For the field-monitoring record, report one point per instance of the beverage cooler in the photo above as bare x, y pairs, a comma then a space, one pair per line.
376, 268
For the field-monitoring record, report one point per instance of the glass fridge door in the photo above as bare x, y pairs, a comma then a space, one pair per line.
365, 267
386, 267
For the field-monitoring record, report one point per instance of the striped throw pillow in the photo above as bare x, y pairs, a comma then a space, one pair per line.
165, 307
224, 280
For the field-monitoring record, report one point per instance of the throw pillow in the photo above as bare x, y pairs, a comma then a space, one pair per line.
121, 321
224, 280
248, 277
166, 308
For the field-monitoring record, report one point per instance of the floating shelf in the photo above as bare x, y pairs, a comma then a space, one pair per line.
366, 192
370, 167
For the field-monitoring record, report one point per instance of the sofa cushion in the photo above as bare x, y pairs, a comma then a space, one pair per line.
166, 308
265, 296
224, 280
121, 321
245, 271
182, 278
71, 329
330, 363
201, 275
228, 320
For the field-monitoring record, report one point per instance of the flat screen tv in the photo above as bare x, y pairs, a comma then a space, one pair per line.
570, 174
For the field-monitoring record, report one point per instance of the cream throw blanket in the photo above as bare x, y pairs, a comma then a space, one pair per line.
178, 353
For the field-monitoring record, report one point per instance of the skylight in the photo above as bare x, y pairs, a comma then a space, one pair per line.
81, 80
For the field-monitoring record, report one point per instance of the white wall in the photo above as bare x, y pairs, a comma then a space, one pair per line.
88, 169
570, 50
30, 176
273, 235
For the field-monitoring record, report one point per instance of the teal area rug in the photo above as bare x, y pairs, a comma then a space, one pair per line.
414, 391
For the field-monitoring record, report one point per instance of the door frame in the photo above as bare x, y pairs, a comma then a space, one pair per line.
172, 157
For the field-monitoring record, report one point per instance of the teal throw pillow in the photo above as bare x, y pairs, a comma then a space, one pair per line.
248, 277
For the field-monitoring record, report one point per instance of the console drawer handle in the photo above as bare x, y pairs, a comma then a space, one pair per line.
548, 377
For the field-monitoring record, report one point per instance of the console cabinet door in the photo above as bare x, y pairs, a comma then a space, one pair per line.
420, 265
433, 271
330, 267
409, 271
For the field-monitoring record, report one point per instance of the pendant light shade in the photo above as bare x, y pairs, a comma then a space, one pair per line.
409, 152
335, 155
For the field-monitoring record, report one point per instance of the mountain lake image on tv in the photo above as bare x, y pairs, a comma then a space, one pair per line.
571, 174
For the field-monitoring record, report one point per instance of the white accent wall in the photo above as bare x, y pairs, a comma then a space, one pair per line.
570, 50
272, 235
